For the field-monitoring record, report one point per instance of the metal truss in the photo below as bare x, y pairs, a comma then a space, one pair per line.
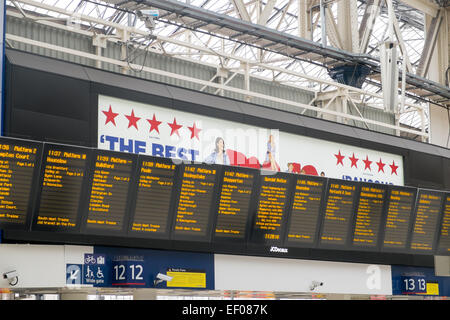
271, 40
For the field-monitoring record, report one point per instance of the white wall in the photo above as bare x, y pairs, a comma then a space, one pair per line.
39, 265
293, 275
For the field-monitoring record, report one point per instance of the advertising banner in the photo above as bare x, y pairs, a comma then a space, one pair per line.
130, 126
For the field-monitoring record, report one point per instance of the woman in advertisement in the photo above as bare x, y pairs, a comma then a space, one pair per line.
219, 155
270, 162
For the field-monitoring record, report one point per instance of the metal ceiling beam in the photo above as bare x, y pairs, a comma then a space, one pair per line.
258, 32
241, 9
430, 43
426, 6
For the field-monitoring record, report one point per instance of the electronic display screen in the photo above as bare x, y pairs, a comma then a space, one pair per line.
428, 211
271, 212
18, 163
193, 210
110, 182
444, 234
398, 218
369, 213
338, 213
305, 210
236, 193
155, 184
63, 173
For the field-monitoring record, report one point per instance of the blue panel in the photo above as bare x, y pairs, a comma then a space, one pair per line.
412, 280
125, 267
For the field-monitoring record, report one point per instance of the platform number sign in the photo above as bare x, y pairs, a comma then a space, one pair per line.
128, 273
413, 284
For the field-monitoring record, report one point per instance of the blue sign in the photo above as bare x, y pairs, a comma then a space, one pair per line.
139, 267
95, 269
92, 259
420, 281
74, 273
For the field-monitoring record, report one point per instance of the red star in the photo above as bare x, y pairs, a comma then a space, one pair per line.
354, 160
393, 167
339, 158
380, 165
132, 120
367, 163
110, 116
154, 124
194, 131
174, 126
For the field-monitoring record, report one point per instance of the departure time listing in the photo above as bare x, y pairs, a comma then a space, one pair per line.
17, 165
192, 215
61, 188
109, 192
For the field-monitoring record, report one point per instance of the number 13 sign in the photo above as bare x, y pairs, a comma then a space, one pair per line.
413, 284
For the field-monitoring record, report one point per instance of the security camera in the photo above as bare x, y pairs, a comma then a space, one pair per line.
160, 277
148, 16
315, 284
164, 277
12, 277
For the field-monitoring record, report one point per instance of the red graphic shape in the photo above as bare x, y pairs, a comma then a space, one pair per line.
311, 170
154, 124
380, 165
339, 158
174, 126
239, 159
132, 120
393, 167
354, 160
194, 131
296, 167
110, 115
367, 163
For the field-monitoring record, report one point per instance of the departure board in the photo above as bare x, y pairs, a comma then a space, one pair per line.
193, 211
428, 212
63, 173
18, 163
235, 197
444, 234
305, 210
272, 208
108, 194
369, 212
154, 196
338, 213
398, 218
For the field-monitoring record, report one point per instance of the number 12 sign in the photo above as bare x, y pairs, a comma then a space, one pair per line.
413, 284
128, 273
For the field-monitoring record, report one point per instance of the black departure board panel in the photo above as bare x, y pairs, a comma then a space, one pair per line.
305, 210
398, 218
18, 167
428, 212
56, 192
235, 196
63, 174
444, 230
368, 219
108, 195
272, 206
194, 207
338, 213
155, 184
